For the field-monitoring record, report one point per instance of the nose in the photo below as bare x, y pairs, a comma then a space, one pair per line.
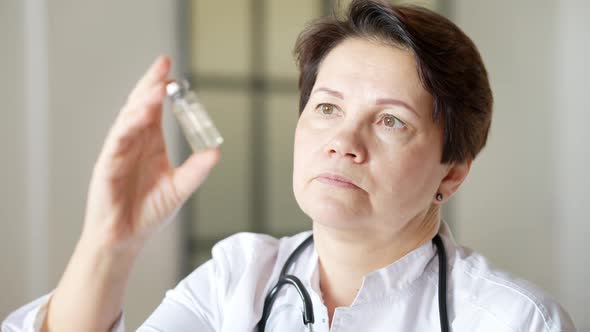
347, 143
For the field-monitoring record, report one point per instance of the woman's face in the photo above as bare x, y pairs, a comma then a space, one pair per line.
368, 122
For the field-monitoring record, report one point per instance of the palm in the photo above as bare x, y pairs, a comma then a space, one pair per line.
134, 187
143, 194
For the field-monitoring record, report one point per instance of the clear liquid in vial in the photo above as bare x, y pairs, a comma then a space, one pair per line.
196, 124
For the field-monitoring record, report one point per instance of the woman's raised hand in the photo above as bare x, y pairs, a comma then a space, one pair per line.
134, 188
133, 191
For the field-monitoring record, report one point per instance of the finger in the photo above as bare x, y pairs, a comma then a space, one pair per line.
149, 107
144, 112
157, 73
189, 176
132, 120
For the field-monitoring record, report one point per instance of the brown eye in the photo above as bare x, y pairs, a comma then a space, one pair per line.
327, 109
393, 122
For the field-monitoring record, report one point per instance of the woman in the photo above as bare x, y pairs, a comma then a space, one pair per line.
395, 105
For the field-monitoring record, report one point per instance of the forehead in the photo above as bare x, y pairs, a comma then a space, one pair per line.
373, 69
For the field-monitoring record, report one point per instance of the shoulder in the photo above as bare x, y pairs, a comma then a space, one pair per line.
246, 260
510, 301
241, 266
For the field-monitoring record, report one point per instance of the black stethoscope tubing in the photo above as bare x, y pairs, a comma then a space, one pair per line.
308, 317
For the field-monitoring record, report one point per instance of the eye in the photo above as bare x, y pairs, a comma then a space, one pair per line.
326, 109
392, 123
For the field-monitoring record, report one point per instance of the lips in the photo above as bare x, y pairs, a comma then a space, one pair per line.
337, 180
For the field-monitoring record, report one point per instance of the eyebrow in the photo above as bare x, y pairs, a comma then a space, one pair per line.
380, 101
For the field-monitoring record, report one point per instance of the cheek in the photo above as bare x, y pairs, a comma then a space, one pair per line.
306, 155
406, 177
299, 159
305, 142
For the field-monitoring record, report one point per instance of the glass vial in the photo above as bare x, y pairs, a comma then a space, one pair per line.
198, 128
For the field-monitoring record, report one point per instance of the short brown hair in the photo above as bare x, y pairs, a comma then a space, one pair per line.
448, 63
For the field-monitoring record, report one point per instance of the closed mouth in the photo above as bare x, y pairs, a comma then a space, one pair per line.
336, 180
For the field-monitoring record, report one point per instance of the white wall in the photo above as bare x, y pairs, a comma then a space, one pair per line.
572, 158
95, 51
507, 196
13, 228
522, 204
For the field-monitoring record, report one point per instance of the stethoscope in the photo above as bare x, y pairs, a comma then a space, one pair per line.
308, 318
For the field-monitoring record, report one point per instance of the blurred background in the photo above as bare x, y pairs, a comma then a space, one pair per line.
67, 66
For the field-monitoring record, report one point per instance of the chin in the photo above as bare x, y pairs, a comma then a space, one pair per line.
333, 207
333, 212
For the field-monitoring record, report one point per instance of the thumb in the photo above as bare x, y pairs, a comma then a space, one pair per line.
193, 171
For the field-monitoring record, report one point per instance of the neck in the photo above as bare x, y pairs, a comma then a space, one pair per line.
347, 255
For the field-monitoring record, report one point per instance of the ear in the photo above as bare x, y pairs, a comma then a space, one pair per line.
456, 173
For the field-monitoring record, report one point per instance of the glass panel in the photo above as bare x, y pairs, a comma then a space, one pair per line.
221, 206
220, 35
430, 4
286, 19
342, 5
284, 215
199, 257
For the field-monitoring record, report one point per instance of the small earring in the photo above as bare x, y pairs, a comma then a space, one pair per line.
439, 197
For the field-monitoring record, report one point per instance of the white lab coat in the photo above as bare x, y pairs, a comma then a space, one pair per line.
227, 294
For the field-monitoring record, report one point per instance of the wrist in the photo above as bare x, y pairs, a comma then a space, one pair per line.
107, 262
93, 284
110, 243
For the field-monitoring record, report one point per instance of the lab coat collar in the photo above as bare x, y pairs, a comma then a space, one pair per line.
397, 276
